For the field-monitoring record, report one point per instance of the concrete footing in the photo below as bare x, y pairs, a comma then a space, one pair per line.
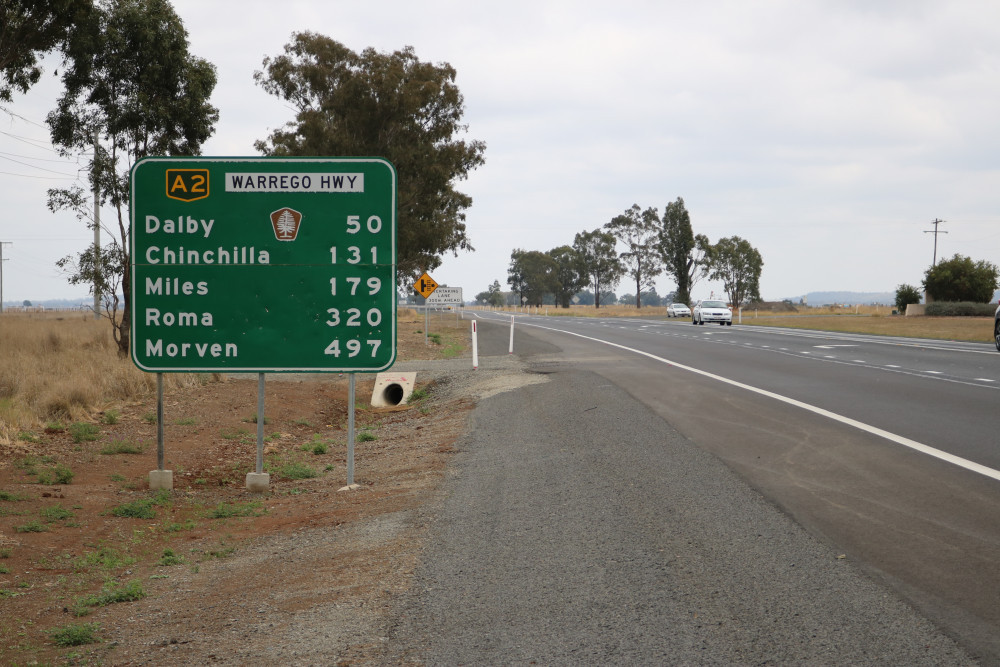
161, 479
258, 482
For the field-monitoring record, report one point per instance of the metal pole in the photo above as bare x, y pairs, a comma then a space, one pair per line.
97, 236
425, 322
350, 429
260, 423
510, 350
159, 421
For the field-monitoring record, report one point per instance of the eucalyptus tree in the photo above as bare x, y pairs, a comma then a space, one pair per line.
738, 265
29, 29
390, 105
132, 89
599, 260
681, 251
532, 275
638, 230
571, 273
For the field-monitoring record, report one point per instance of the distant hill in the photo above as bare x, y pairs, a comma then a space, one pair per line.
855, 298
851, 298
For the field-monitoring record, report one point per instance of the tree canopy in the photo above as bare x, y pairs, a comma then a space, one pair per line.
132, 88
28, 30
532, 274
388, 105
680, 250
570, 274
638, 229
738, 265
961, 279
601, 264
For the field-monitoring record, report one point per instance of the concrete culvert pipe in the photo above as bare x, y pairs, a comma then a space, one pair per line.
392, 389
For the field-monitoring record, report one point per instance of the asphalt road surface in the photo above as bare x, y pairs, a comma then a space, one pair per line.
674, 510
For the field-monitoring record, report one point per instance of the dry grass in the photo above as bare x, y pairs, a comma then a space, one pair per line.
60, 367
970, 329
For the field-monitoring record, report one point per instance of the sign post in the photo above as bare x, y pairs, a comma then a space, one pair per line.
425, 286
264, 265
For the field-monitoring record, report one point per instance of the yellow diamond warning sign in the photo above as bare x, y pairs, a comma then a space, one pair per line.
425, 286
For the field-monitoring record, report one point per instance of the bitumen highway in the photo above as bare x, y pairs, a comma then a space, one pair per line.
679, 494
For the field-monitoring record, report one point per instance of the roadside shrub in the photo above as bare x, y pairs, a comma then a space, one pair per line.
905, 295
960, 309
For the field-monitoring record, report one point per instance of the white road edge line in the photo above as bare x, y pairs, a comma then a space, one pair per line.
868, 428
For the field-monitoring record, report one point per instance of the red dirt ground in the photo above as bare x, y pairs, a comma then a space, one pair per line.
303, 548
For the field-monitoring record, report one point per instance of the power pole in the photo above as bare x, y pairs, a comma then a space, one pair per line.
97, 233
935, 232
2, 260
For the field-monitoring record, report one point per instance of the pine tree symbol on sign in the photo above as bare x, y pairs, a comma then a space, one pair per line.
286, 223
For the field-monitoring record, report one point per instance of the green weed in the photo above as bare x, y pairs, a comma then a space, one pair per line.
177, 527
111, 593
222, 552
231, 510
186, 421
7, 495
56, 513
33, 526
143, 507
75, 634
170, 558
110, 417
297, 470
104, 557
366, 436
84, 432
58, 474
123, 447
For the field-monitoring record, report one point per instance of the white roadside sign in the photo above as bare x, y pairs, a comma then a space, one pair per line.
446, 296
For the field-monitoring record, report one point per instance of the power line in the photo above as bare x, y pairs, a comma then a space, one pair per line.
935, 232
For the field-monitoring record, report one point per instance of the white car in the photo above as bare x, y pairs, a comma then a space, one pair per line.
710, 310
678, 310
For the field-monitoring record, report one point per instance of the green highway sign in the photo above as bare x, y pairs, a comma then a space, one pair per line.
263, 264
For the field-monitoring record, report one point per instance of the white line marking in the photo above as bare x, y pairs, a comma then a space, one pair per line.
984, 380
874, 430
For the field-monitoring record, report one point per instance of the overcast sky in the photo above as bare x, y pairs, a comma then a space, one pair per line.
827, 134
